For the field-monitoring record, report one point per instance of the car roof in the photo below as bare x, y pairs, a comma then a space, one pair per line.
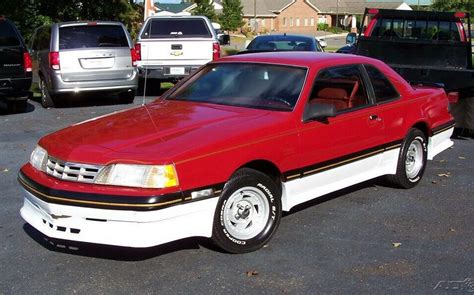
85, 23
303, 59
283, 37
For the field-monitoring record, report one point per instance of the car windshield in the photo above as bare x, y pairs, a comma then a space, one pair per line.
261, 86
90, 36
282, 43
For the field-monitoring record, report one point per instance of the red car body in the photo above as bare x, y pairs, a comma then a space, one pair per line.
207, 143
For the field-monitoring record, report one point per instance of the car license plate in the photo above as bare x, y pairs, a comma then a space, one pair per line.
177, 71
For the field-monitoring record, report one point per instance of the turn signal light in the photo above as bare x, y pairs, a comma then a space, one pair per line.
54, 60
216, 51
27, 64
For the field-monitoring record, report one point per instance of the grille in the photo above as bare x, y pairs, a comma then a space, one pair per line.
72, 171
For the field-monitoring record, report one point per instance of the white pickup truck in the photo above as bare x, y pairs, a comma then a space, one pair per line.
171, 47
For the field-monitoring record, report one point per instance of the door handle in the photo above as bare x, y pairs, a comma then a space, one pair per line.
375, 118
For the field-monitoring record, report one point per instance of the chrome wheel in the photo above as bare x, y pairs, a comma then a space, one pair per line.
414, 159
246, 213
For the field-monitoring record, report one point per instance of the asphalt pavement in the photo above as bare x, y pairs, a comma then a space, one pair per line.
365, 239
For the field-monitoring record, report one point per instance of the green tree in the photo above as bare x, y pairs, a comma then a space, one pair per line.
454, 5
231, 17
29, 14
205, 7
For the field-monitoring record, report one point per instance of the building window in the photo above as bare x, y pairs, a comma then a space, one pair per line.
297, 21
284, 22
291, 21
272, 25
263, 23
312, 22
305, 22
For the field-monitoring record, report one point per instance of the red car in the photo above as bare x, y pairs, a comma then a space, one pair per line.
229, 148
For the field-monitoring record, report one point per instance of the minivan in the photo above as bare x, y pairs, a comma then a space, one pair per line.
79, 57
15, 67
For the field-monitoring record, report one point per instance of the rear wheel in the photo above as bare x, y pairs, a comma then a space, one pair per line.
411, 161
127, 97
47, 100
248, 212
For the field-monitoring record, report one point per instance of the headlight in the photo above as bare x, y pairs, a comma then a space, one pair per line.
146, 176
38, 158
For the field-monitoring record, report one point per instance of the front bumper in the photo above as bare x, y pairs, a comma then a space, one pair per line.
125, 228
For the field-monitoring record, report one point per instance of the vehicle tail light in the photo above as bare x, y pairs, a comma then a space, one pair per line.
137, 54
216, 51
54, 60
27, 64
453, 97
373, 11
460, 14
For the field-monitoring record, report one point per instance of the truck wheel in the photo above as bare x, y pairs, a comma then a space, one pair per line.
411, 161
127, 97
247, 213
47, 100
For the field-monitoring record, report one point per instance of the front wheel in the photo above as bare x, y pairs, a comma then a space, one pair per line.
248, 212
411, 161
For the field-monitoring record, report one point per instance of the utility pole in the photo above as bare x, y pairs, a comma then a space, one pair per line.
254, 16
337, 13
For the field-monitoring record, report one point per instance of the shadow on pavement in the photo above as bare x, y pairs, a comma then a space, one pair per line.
5, 111
114, 252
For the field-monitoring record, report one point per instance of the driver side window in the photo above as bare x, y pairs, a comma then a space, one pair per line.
340, 86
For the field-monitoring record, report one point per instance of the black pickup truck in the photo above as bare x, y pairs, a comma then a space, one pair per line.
15, 67
424, 47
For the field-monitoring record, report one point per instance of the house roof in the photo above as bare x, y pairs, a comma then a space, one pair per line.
269, 7
272, 7
354, 6
172, 7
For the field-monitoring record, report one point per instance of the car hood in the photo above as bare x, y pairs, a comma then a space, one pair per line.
161, 131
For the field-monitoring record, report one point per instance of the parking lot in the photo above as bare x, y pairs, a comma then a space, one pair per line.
367, 238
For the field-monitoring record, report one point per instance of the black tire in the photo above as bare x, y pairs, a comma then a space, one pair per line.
127, 97
411, 160
153, 87
18, 106
258, 210
47, 100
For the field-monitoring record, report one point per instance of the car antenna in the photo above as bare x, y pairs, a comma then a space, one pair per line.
146, 67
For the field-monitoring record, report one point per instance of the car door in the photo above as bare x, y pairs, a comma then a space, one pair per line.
341, 150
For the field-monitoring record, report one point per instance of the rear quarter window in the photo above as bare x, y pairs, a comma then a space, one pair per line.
383, 88
176, 28
8, 36
75, 37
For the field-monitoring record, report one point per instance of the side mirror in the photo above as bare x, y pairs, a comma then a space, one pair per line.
351, 38
318, 112
224, 39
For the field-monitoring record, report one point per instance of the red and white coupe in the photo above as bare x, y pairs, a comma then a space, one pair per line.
225, 151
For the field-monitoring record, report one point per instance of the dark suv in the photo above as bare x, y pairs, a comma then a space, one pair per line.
15, 67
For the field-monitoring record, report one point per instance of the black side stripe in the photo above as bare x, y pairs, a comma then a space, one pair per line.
347, 159
444, 127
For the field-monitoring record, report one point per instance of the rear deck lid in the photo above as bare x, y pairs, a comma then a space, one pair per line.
176, 41
11, 52
91, 52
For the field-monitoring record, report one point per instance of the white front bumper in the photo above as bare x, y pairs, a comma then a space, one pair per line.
119, 227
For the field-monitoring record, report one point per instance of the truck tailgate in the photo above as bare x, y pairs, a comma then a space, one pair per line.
176, 52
